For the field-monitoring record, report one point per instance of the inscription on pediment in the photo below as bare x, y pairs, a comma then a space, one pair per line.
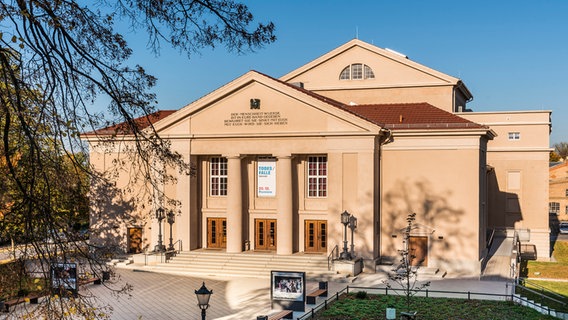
273, 118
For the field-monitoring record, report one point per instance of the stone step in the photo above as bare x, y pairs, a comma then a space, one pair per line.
247, 259
218, 263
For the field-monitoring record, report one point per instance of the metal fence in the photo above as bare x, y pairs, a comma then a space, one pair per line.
469, 295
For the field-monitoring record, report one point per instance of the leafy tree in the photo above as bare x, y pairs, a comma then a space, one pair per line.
405, 274
554, 157
59, 57
561, 149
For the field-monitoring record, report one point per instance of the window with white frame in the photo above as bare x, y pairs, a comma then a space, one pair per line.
554, 207
356, 71
218, 176
317, 176
514, 136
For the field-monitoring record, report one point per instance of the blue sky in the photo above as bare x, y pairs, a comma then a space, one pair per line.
512, 55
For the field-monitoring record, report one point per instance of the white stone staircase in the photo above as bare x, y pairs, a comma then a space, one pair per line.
538, 307
246, 264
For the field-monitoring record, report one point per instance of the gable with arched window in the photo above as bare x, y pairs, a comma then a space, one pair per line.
356, 71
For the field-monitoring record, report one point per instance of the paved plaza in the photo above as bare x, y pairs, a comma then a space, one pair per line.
163, 296
166, 296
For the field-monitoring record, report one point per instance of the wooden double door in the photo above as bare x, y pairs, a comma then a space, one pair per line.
216, 233
315, 237
265, 234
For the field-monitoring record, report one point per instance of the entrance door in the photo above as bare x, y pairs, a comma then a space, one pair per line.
216, 233
265, 234
418, 247
315, 236
134, 240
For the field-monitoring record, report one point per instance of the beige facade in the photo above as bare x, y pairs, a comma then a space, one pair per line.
360, 129
558, 200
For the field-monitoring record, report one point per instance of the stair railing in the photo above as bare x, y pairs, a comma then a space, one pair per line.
543, 291
172, 253
491, 237
541, 295
334, 254
515, 256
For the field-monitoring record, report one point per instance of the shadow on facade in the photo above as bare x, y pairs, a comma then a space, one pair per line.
504, 208
111, 215
449, 234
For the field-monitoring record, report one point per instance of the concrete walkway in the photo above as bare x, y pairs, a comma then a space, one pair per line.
499, 265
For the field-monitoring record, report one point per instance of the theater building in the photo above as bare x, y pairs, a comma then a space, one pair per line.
360, 129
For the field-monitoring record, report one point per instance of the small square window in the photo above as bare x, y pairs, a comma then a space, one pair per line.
514, 136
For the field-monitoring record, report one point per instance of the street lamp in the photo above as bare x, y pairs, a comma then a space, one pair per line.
203, 295
352, 226
345, 221
160, 216
171, 220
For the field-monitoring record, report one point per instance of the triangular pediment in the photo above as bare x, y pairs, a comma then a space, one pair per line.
258, 105
390, 69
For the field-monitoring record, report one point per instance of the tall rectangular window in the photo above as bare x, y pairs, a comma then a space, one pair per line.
317, 176
218, 176
554, 207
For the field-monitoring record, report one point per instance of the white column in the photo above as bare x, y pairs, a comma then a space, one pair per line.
285, 227
234, 205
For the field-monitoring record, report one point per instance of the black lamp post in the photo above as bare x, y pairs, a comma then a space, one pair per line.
171, 220
160, 216
345, 221
352, 226
203, 296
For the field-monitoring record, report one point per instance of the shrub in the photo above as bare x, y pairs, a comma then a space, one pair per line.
361, 295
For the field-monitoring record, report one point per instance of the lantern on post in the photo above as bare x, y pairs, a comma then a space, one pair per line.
352, 226
203, 295
345, 221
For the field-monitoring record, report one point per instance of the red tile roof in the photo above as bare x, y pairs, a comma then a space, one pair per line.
411, 116
397, 116
142, 122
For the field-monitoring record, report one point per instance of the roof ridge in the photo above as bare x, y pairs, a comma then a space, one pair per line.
143, 121
330, 101
413, 115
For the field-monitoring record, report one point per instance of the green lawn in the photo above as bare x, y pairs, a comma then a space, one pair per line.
374, 307
536, 271
549, 270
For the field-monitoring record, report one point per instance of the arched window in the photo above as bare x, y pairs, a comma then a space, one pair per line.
369, 73
356, 71
345, 74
